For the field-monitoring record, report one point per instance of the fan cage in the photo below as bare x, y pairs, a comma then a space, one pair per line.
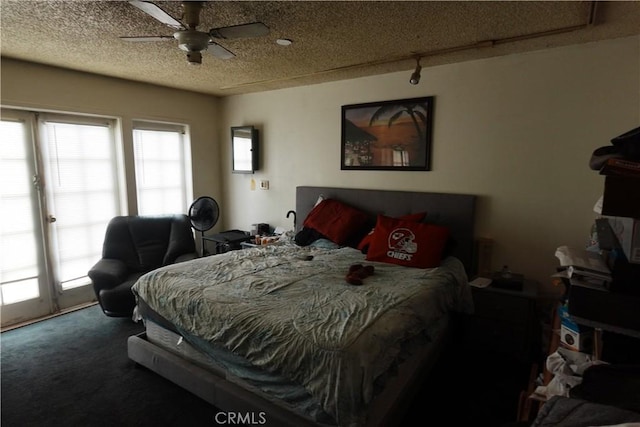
203, 215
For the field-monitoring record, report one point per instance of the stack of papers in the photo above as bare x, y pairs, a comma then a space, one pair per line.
480, 282
584, 268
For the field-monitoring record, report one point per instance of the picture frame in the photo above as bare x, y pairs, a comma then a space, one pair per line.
387, 135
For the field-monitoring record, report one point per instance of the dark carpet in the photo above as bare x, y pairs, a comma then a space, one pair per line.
73, 370
470, 387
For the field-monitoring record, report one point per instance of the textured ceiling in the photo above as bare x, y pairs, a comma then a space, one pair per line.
331, 40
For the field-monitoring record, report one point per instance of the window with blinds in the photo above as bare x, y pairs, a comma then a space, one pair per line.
161, 168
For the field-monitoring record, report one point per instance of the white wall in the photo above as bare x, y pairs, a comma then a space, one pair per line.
518, 131
39, 87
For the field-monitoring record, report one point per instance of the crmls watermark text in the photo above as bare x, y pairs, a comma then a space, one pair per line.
241, 418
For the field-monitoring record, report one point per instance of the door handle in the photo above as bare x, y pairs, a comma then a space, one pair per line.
51, 219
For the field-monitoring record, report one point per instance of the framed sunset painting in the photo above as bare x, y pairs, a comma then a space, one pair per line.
387, 135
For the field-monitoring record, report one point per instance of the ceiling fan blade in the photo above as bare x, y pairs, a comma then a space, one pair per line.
219, 51
156, 12
147, 38
253, 29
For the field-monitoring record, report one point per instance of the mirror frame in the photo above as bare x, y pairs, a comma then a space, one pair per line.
236, 133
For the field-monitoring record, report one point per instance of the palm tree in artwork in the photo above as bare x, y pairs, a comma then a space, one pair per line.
415, 111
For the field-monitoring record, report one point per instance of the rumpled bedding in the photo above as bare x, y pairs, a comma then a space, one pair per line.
297, 317
560, 411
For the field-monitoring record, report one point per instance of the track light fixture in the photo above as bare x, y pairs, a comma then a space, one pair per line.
415, 77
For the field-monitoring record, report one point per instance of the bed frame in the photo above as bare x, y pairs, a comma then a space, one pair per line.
455, 210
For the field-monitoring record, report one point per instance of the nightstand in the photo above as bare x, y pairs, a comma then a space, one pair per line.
226, 241
504, 322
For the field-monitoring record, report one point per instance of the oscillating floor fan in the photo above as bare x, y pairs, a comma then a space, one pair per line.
203, 214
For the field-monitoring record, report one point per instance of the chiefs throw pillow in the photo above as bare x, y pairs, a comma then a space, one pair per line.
407, 243
363, 246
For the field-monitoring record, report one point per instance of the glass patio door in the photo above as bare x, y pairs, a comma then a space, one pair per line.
66, 175
24, 288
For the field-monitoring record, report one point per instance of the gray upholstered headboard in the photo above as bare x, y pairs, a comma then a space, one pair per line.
457, 211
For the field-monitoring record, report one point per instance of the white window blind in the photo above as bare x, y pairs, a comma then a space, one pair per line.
80, 157
161, 168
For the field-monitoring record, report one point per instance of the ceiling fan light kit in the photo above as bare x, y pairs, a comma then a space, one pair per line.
189, 38
192, 42
194, 58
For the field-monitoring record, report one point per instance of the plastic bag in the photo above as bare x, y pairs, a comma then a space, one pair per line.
567, 366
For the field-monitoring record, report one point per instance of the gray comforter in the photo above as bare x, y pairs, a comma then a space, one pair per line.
561, 411
300, 319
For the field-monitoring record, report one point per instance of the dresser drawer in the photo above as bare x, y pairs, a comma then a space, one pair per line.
502, 307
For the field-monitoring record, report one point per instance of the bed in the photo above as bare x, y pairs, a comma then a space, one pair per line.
607, 395
280, 335
572, 412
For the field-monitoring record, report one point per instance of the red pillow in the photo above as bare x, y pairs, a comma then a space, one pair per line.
335, 220
407, 243
366, 240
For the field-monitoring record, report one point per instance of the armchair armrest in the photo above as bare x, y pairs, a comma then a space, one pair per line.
108, 273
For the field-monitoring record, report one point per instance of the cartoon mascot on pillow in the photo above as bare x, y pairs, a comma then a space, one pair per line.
402, 240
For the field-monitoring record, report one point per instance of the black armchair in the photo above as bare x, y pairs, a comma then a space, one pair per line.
133, 246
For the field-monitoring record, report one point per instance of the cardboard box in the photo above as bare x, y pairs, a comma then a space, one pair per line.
576, 340
627, 231
614, 311
573, 336
621, 167
621, 197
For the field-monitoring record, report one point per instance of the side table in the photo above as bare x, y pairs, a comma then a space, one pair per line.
504, 320
225, 241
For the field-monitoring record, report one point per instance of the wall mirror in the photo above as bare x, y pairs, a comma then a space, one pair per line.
244, 149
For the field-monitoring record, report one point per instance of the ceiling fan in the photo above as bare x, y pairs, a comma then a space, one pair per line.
190, 39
